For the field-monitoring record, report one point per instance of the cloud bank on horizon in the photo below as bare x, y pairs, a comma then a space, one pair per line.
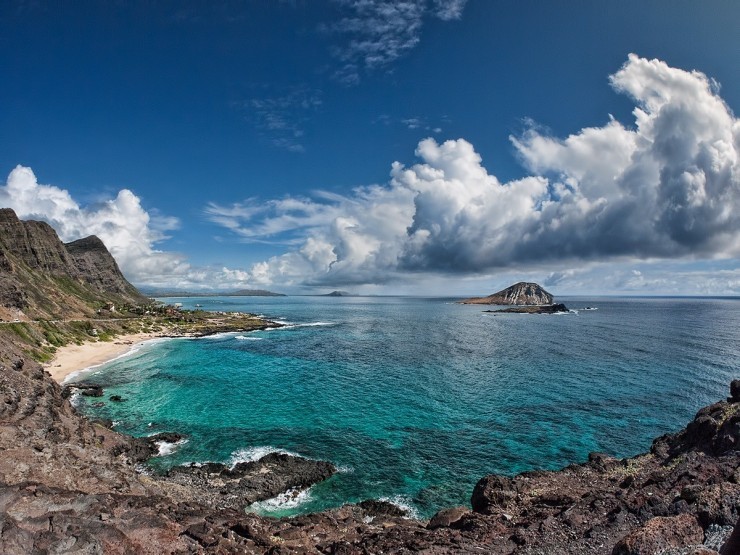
667, 188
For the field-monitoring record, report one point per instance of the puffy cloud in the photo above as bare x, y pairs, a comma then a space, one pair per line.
357, 237
128, 231
666, 188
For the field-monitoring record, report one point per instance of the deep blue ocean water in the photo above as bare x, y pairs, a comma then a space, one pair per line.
415, 399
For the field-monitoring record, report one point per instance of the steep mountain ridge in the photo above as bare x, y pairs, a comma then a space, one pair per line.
44, 278
520, 294
98, 268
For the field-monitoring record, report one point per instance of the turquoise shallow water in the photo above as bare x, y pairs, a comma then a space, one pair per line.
415, 399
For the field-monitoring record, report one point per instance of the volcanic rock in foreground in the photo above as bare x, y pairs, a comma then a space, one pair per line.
522, 294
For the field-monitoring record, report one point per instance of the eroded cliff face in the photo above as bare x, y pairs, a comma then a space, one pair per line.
96, 267
41, 277
69, 485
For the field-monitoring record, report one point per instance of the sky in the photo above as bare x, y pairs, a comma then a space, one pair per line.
420, 147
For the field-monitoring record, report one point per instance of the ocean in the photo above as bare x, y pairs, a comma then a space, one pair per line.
416, 399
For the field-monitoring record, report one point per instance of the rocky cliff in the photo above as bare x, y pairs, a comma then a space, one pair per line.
522, 293
69, 485
41, 277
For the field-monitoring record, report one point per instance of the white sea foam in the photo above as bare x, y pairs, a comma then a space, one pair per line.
213, 336
290, 325
74, 399
287, 500
143, 469
167, 448
249, 454
248, 338
405, 503
345, 469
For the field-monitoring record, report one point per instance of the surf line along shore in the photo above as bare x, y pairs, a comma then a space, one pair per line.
73, 358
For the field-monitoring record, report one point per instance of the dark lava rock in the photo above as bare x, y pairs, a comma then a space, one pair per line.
493, 493
219, 486
543, 309
142, 448
732, 545
374, 507
167, 437
659, 534
602, 461
447, 517
735, 391
715, 430
117, 398
89, 390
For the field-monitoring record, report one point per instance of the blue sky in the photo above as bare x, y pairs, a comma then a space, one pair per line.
251, 144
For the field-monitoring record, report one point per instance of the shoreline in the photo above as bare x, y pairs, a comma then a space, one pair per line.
72, 359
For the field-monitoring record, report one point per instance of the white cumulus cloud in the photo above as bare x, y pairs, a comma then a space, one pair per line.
667, 186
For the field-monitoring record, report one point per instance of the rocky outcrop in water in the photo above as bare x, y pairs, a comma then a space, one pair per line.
522, 294
219, 486
41, 277
544, 309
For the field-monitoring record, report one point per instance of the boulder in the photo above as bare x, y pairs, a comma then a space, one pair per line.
376, 508
493, 493
447, 517
735, 391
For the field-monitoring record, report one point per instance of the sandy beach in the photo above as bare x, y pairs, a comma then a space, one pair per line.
73, 358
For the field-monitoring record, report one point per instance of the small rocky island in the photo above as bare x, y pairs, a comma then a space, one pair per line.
523, 298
